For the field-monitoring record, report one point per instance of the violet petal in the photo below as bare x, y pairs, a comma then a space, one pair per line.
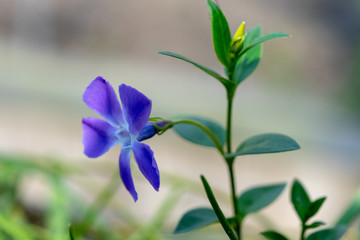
98, 136
136, 108
144, 158
125, 171
101, 97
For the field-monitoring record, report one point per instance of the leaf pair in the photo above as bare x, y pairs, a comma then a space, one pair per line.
326, 234
249, 202
304, 207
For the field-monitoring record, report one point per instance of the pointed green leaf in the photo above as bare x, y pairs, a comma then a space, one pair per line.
315, 225
220, 215
196, 135
328, 234
195, 219
247, 63
266, 143
205, 69
257, 198
351, 213
272, 235
220, 32
314, 207
300, 200
71, 235
264, 38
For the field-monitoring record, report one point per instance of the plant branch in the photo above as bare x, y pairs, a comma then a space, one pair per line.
199, 125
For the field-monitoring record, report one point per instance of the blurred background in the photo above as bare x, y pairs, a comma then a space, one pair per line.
306, 86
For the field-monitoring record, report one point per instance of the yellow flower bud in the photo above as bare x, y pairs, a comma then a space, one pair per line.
240, 32
238, 39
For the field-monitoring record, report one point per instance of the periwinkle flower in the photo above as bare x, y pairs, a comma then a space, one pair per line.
126, 125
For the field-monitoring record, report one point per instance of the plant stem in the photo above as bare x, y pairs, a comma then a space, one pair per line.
234, 200
230, 162
230, 96
303, 229
199, 125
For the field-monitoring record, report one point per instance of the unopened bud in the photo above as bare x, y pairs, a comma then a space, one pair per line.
238, 40
150, 130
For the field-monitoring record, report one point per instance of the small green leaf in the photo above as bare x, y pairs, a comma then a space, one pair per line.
265, 143
195, 219
205, 69
300, 200
328, 234
220, 32
314, 207
264, 38
220, 215
315, 225
247, 63
195, 135
272, 235
257, 198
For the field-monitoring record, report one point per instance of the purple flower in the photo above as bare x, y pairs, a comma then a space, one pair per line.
126, 126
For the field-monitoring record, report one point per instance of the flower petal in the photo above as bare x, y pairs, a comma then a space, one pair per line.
98, 136
136, 108
144, 158
101, 97
125, 171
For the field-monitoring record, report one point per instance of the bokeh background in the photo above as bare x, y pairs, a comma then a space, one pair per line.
306, 86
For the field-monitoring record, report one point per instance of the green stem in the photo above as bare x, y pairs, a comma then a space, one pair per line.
230, 161
199, 125
234, 199
99, 204
230, 96
303, 229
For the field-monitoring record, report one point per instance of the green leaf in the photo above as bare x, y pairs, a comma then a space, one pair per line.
264, 38
195, 135
16, 227
220, 215
195, 219
71, 235
265, 143
272, 235
328, 234
247, 63
220, 32
314, 207
315, 225
257, 198
351, 213
205, 69
300, 200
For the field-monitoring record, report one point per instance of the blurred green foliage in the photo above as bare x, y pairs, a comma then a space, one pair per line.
21, 220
